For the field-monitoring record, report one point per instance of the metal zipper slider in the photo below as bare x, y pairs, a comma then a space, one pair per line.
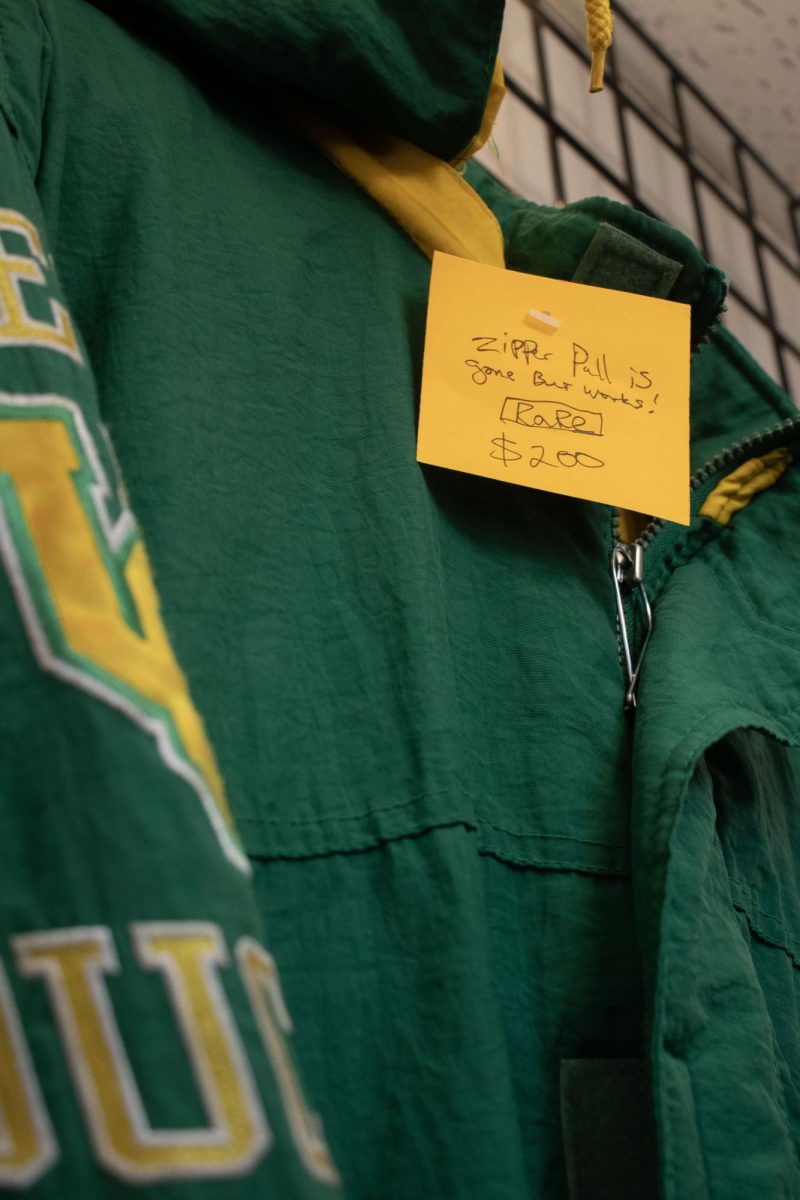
627, 571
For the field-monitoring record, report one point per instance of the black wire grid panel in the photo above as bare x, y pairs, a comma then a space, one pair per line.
682, 111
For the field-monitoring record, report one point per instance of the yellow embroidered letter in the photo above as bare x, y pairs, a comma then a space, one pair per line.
72, 963
17, 326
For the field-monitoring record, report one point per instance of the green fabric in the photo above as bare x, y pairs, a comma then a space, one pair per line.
418, 70
470, 864
711, 990
456, 983
615, 259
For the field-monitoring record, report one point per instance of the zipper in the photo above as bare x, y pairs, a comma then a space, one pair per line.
627, 571
634, 610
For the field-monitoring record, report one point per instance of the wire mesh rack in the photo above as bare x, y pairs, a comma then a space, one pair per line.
658, 127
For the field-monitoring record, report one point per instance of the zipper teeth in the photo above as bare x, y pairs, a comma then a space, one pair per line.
712, 328
648, 533
726, 457
731, 452
720, 460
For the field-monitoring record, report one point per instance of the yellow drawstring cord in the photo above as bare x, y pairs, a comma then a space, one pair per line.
598, 35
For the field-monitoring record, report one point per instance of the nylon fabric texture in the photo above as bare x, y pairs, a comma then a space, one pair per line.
469, 863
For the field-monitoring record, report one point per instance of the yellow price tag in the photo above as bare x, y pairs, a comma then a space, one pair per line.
555, 385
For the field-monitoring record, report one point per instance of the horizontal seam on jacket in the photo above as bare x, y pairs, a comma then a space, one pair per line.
604, 871
472, 822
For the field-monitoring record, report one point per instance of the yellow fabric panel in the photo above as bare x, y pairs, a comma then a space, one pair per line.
736, 490
426, 196
497, 91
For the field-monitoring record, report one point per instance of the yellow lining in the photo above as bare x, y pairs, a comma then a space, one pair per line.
736, 490
631, 524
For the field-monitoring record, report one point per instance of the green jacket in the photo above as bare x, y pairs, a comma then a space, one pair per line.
518, 929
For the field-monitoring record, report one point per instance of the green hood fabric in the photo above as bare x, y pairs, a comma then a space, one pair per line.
417, 70
486, 886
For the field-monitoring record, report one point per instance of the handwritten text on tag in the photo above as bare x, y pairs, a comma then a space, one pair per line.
555, 385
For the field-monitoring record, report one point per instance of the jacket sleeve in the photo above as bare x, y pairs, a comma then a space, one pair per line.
143, 1037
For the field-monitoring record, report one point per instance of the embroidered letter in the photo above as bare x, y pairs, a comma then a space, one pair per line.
83, 585
17, 326
72, 963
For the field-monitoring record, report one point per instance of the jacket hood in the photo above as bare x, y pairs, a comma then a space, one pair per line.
420, 69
